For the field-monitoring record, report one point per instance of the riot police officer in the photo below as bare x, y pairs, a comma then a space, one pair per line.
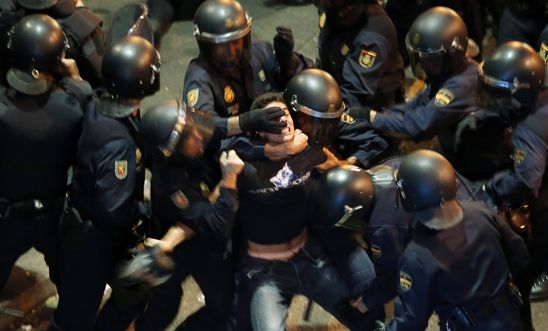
358, 46
231, 70
40, 119
105, 196
511, 85
82, 27
459, 258
436, 42
195, 222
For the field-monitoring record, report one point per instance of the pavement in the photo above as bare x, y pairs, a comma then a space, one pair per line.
178, 47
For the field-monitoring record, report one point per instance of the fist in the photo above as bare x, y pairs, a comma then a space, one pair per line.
231, 164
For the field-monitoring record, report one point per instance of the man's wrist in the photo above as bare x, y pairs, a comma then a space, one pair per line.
233, 126
230, 182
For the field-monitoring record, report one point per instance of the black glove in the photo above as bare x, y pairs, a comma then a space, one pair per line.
149, 268
360, 113
283, 46
262, 120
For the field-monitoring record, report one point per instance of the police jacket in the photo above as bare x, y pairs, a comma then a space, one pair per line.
462, 265
108, 178
229, 94
364, 58
38, 136
435, 111
184, 191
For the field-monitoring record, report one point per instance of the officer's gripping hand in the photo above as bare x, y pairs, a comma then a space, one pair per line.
149, 268
333, 161
262, 120
283, 149
231, 167
283, 46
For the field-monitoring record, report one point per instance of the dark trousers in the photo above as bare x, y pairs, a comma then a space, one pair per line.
19, 232
212, 271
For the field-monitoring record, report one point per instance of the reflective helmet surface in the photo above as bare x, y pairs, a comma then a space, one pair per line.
315, 97
223, 31
37, 44
437, 42
510, 79
164, 127
425, 179
36, 4
131, 68
343, 198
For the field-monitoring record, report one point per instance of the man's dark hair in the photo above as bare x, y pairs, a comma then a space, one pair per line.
264, 99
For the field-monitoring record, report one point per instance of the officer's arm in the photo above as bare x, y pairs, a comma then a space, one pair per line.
426, 120
386, 244
265, 52
359, 140
514, 247
513, 187
362, 71
246, 147
415, 292
114, 201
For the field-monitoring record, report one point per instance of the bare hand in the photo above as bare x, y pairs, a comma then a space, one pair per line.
276, 152
69, 69
359, 305
164, 245
231, 167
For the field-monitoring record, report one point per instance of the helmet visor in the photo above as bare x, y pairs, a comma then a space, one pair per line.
425, 64
229, 55
320, 131
130, 20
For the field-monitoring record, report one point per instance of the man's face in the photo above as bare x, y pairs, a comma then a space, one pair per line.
193, 145
229, 55
288, 132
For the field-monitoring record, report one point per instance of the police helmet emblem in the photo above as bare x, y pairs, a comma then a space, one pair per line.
262, 75
443, 97
138, 156
229, 23
228, 94
416, 38
347, 119
544, 52
321, 22
345, 49
367, 58
519, 156
406, 282
120, 169
192, 97
376, 251
180, 200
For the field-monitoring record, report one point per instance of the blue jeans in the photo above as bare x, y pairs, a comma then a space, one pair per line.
267, 287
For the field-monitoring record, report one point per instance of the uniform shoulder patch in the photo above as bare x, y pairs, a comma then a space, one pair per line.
228, 94
406, 282
120, 169
345, 49
376, 251
443, 97
367, 58
321, 21
519, 156
180, 200
262, 75
544, 52
347, 119
192, 97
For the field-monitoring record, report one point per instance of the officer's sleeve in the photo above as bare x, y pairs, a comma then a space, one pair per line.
115, 184
514, 247
265, 51
245, 147
214, 220
386, 244
450, 104
357, 138
362, 70
414, 302
521, 184
198, 93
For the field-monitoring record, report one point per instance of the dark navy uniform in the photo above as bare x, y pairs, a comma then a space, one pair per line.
364, 58
38, 137
462, 274
522, 20
183, 191
105, 202
230, 94
435, 111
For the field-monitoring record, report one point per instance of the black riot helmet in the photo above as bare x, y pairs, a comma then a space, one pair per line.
343, 198
131, 68
37, 46
54, 8
345, 12
425, 179
223, 31
510, 80
36, 4
436, 43
315, 97
166, 127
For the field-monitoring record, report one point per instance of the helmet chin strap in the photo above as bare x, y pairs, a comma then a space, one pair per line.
442, 217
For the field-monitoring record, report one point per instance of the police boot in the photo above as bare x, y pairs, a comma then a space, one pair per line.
539, 291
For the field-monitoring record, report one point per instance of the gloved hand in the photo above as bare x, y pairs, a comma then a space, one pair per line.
283, 47
262, 120
358, 112
149, 268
